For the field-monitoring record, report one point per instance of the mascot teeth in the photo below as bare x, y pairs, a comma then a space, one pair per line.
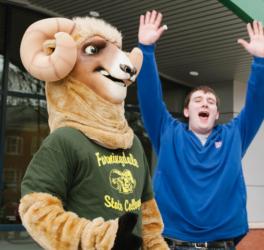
104, 72
122, 84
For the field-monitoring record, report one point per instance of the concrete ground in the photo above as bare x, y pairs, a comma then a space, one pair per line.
17, 241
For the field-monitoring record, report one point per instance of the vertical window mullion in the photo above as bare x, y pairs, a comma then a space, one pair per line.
7, 32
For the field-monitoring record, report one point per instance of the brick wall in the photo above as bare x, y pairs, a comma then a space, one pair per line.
253, 241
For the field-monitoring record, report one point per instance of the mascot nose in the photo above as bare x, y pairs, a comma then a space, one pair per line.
127, 69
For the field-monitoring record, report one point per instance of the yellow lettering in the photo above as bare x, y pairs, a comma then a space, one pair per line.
132, 205
110, 202
98, 158
107, 201
116, 159
124, 160
110, 159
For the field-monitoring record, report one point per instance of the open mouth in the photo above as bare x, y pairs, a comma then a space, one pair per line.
113, 79
203, 114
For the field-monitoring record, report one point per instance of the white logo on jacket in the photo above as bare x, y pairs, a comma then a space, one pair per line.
218, 144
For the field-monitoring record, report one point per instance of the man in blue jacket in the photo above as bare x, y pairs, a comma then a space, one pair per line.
198, 180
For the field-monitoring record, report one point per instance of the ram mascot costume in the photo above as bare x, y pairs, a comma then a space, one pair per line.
88, 186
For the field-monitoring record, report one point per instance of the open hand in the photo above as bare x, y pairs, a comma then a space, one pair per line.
256, 44
149, 27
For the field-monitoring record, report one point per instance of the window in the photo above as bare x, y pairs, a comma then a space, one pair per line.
14, 145
10, 178
23, 110
21, 81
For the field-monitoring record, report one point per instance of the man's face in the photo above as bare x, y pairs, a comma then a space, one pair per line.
202, 112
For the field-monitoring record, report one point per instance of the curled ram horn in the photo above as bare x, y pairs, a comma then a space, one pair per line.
49, 66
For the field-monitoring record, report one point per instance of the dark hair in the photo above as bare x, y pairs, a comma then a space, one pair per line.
205, 89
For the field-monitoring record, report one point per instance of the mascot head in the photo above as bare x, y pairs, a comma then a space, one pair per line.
86, 73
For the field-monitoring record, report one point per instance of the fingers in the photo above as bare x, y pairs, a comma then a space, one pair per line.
158, 20
150, 27
152, 17
250, 30
244, 43
255, 29
255, 46
260, 29
161, 30
142, 20
105, 236
147, 17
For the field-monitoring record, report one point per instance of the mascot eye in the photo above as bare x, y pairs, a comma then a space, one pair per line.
91, 50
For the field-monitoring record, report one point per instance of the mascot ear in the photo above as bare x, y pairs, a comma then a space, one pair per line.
136, 58
49, 46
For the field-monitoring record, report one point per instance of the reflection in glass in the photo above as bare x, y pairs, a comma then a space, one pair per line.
21, 81
26, 127
2, 40
1, 69
134, 119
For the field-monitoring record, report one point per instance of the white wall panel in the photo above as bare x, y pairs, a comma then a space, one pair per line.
253, 166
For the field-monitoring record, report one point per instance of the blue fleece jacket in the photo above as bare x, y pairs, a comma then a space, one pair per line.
200, 190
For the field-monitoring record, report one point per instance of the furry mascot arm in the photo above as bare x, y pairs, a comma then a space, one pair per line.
53, 228
152, 227
152, 224
45, 219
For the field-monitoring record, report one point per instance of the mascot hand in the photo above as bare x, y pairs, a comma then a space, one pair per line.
125, 239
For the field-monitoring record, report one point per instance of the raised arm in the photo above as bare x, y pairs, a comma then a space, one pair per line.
251, 116
255, 46
150, 29
149, 87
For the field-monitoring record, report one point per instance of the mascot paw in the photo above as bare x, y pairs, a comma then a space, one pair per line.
125, 239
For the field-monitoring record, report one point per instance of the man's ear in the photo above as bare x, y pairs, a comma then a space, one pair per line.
217, 116
186, 112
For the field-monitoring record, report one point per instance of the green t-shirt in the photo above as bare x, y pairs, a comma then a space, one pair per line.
90, 180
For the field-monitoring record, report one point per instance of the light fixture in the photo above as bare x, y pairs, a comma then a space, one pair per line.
194, 73
94, 13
